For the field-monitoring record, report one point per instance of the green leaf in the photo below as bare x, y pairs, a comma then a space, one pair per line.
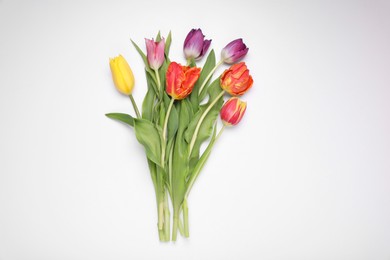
207, 68
200, 164
148, 104
151, 81
148, 135
206, 127
168, 44
214, 89
124, 118
158, 37
162, 115
173, 121
180, 164
145, 59
162, 72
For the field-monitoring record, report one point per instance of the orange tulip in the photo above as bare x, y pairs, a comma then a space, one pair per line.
180, 80
236, 80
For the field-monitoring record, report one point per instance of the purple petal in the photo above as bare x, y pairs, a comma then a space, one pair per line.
239, 55
189, 36
206, 45
234, 51
194, 46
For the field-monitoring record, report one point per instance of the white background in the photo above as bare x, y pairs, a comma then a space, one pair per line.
306, 174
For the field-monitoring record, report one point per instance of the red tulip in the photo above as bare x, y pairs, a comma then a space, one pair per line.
236, 80
233, 111
180, 80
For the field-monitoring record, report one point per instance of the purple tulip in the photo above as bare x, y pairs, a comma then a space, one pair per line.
234, 51
195, 46
155, 53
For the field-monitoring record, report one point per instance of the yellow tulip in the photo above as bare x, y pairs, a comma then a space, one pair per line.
122, 75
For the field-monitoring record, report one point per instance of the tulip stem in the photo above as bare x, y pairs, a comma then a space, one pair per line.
164, 133
192, 143
134, 106
196, 171
158, 80
167, 117
209, 76
220, 132
185, 218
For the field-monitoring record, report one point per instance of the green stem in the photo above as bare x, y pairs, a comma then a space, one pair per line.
192, 143
134, 106
175, 224
181, 227
158, 80
164, 133
167, 117
161, 235
185, 218
209, 76
220, 132
160, 197
167, 218
197, 168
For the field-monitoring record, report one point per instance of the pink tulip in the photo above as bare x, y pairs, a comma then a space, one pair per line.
233, 111
155, 53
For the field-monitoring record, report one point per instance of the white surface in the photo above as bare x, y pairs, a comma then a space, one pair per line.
306, 175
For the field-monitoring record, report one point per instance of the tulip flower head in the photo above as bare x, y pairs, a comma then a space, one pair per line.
180, 80
234, 51
195, 45
122, 75
236, 79
233, 111
155, 53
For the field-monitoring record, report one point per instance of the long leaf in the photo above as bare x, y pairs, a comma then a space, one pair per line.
124, 118
180, 164
202, 161
207, 68
148, 135
148, 104
145, 59
168, 44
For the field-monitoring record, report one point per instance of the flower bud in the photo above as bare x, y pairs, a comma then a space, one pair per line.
195, 46
236, 79
180, 80
234, 51
233, 111
122, 75
155, 53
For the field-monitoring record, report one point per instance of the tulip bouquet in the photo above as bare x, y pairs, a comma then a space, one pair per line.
179, 114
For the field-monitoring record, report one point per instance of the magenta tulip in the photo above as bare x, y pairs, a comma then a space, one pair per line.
195, 45
234, 51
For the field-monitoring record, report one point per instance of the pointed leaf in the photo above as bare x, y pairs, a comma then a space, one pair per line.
208, 67
168, 44
148, 104
202, 161
124, 118
173, 121
148, 135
